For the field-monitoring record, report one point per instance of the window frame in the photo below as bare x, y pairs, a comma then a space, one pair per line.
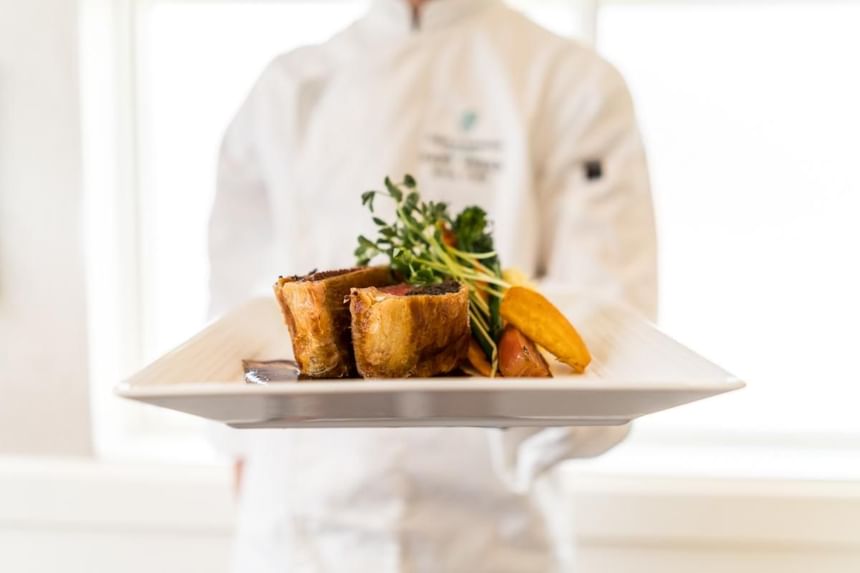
111, 201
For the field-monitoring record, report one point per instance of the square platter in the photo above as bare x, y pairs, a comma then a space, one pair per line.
636, 370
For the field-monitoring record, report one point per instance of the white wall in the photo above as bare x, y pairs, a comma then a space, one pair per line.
87, 517
43, 388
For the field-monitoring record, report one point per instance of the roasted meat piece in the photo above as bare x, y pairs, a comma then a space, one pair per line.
317, 316
404, 331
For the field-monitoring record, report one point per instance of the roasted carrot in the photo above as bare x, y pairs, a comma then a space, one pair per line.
543, 323
478, 359
519, 357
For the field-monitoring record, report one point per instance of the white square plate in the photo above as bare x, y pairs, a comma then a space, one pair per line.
636, 370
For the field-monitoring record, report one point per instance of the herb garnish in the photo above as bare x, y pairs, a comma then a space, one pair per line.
424, 246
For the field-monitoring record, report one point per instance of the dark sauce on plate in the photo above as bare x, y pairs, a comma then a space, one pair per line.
265, 371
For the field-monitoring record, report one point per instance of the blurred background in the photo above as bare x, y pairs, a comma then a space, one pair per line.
111, 112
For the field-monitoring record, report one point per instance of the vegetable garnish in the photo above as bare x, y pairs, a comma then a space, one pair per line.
542, 322
425, 245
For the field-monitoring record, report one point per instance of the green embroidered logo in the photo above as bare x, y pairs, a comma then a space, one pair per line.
468, 120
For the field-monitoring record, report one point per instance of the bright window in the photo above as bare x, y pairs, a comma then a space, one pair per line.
749, 113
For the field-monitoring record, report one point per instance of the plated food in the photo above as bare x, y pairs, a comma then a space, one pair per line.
319, 320
440, 304
406, 331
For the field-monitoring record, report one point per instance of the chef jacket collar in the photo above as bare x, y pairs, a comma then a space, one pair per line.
395, 16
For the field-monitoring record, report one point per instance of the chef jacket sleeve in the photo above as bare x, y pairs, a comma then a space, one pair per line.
598, 239
240, 224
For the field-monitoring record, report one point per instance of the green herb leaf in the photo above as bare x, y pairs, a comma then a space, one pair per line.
393, 190
367, 199
411, 201
423, 276
471, 230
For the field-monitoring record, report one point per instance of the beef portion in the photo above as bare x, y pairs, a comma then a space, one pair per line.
401, 332
317, 316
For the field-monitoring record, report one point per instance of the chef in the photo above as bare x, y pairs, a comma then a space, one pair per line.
483, 107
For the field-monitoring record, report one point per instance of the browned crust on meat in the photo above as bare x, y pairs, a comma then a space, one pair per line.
417, 335
316, 275
318, 319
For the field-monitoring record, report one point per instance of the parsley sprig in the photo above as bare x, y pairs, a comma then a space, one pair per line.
425, 245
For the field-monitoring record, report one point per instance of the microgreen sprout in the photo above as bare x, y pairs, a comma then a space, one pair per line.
424, 246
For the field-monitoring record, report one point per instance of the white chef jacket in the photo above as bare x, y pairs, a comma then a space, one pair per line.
483, 107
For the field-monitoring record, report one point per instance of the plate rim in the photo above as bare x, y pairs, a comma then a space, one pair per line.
130, 389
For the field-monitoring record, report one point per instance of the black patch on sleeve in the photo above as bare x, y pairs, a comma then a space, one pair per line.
593, 170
